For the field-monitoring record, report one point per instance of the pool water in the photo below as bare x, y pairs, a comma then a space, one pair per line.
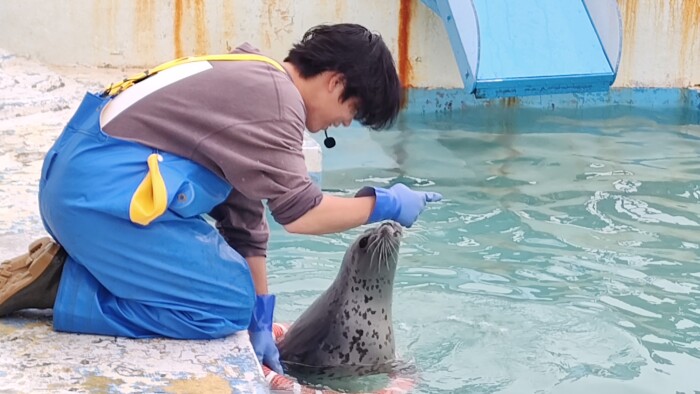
564, 258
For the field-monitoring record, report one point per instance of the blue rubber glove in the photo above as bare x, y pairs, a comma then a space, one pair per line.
260, 331
397, 203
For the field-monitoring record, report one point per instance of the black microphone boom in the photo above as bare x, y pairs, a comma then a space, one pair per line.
329, 142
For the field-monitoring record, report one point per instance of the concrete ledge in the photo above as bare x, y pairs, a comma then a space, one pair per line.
37, 359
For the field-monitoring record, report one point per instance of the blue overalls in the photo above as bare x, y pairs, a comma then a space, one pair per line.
175, 276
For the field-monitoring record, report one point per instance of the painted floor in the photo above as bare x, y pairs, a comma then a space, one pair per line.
36, 359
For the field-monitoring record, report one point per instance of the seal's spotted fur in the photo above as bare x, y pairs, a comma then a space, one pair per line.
348, 330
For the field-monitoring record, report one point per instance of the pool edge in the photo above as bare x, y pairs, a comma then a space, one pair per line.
426, 101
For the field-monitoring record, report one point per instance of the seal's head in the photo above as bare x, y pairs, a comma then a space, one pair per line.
375, 253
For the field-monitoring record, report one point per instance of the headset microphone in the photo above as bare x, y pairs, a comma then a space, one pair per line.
329, 142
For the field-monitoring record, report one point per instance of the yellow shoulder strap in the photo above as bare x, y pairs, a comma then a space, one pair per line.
116, 88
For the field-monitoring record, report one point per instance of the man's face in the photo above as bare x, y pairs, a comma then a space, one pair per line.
327, 109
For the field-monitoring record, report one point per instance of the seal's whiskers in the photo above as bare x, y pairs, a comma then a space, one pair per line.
375, 246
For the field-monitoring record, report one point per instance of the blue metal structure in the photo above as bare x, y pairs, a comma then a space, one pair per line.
507, 48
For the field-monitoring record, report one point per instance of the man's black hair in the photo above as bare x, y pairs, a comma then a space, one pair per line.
365, 62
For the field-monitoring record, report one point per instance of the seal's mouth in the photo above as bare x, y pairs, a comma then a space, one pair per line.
381, 244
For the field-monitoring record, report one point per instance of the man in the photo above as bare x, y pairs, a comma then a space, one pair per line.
124, 188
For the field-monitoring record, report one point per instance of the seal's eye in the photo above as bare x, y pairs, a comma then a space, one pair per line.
363, 242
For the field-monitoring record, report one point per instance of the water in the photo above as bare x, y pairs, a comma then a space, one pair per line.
563, 259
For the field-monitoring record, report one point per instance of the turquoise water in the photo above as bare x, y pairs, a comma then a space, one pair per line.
564, 258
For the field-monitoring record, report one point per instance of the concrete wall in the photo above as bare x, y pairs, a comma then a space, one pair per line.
661, 38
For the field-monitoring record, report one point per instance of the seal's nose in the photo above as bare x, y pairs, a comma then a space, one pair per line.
391, 229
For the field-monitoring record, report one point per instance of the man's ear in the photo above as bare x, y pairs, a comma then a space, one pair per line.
336, 80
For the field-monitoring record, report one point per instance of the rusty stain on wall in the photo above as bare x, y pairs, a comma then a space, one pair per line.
177, 28
678, 21
406, 12
628, 9
277, 21
339, 10
105, 15
144, 25
188, 10
690, 30
331, 11
691, 21
229, 21
202, 43
683, 18
270, 6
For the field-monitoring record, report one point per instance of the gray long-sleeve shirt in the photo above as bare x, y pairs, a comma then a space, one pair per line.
244, 121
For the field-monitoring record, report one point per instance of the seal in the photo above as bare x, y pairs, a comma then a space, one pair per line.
348, 330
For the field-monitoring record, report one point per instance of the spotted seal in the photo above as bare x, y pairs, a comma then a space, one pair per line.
348, 330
